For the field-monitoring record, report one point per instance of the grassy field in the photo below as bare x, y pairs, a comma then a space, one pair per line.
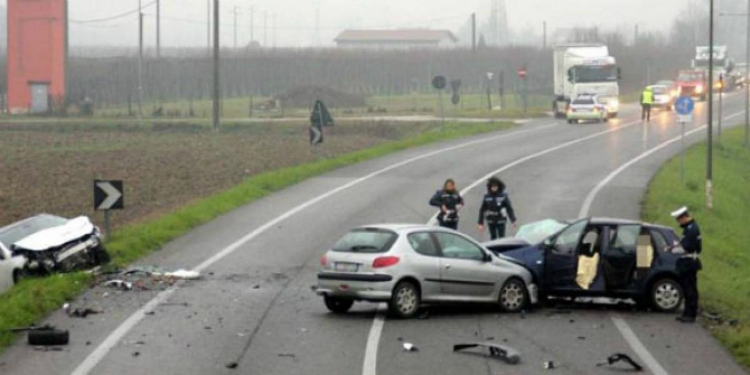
724, 283
155, 226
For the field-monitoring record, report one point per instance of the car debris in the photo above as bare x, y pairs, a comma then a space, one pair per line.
549, 365
48, 337
287, 355
619, 357
80, 313
231, 365
119, 284
409, 347
507, 354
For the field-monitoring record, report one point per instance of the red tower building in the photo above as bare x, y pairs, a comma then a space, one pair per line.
37, 55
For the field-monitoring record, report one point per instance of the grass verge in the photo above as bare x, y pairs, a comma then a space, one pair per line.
35, 298
724, 284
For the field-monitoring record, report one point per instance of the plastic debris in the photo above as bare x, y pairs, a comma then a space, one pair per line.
409, 347
79, 313
549, 365
619, 357
231, 365
119, 284
184, 275
505, 353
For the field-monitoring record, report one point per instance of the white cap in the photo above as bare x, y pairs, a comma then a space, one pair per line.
681, 211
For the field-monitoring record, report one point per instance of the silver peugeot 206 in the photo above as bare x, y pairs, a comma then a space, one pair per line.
411, 265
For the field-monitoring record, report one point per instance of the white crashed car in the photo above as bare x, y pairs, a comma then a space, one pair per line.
54, 244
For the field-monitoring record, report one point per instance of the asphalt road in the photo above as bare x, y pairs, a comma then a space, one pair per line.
255, 307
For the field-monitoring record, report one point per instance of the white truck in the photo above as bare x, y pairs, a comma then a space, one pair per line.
585, 69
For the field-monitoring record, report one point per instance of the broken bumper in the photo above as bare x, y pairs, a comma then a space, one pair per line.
365, 287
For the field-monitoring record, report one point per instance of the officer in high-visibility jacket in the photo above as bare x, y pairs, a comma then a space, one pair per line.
647, 100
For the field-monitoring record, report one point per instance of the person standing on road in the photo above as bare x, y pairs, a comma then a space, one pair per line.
449, 201
689, 265
647, 100
494, 202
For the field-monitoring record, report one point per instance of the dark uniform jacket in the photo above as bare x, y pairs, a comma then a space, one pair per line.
492, 209
692, 243
450, 201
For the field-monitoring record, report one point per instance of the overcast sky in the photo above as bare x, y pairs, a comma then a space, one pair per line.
184, 21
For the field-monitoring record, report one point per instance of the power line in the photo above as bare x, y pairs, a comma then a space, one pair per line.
115, 17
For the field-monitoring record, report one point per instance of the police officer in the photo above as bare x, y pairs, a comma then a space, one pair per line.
449, 201
492, 207
689, 265
647, 99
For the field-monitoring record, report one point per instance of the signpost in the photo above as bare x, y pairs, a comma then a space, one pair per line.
108, 195
522, 75
684, 107
439, 83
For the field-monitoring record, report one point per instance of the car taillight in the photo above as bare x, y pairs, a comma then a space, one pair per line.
382, 262
324, 260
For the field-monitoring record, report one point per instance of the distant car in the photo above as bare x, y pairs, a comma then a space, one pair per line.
671, 86
600, 258
586, 108
11, 268
663, 98
410, 265
54, 244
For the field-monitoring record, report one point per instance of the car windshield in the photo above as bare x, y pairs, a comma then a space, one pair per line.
366, 240
16, 232
594, 73
536, 232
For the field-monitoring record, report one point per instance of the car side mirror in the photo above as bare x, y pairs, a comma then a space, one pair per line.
487, 258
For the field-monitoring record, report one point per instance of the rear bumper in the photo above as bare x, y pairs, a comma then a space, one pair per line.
365, 287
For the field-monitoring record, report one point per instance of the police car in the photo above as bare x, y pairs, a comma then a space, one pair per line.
586, 107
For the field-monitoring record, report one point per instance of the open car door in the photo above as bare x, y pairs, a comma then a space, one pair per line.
620, 257
560, 257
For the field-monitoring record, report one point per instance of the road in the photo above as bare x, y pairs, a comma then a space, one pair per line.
255, 306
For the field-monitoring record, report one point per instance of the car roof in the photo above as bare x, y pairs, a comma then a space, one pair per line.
24, 221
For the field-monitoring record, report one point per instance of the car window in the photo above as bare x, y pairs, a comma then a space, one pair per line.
660, 243
366, 240
422, 243
457, 247
567, 242
625, 238
586, 101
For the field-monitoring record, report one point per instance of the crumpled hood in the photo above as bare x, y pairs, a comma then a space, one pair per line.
57, 236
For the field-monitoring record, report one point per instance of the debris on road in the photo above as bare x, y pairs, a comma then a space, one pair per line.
618, 357
549, 365
409, 347
48, 337
287, 355
184, 275
80, 313
145, 278
231, 365
507, 354
119, 284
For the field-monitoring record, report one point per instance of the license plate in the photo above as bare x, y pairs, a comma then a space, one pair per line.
347, 267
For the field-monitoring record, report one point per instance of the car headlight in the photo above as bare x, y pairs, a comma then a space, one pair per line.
699, 89
614, 105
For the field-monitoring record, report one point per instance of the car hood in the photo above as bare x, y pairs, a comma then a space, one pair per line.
531, 257
57, 236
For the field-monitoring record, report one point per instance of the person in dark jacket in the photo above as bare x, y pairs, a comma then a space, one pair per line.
449, 201
494, 202
689, 265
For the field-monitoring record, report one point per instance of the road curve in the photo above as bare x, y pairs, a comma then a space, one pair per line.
255, 307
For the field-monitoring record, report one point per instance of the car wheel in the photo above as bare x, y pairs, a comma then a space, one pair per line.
338, 305
666, 295
48, 337
405, 300
513, 296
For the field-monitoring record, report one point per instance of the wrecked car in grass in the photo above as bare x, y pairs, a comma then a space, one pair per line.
600, 257
55, 244
411, 265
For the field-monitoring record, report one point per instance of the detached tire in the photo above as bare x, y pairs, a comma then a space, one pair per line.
338, 305
666, 295
49, 337
405, 300
513, 296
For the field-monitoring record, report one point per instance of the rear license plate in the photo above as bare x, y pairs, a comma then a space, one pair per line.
347, 267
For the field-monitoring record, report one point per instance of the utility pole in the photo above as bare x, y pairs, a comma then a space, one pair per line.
544, 33
273, 27
709, 158
474, 34
635, 36
140, 59
252, 23
158, 29
217, 93
235, 27
208, 27
265, 28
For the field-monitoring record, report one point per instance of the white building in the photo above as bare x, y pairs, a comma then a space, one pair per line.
396, 39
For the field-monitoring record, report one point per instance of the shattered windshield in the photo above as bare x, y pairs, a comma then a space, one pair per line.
536, 232
16, 232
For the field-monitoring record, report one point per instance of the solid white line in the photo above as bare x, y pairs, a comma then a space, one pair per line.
111, 341
637, 346
373, 339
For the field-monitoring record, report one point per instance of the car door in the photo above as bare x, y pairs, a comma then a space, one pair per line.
560, 257
620, 255
465, 271
426, 263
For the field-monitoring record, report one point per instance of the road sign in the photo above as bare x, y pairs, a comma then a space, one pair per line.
108, 195
684, 106
522, 73
439, 82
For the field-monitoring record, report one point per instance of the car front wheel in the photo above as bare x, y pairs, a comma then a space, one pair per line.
513, 296
666, 295
338, 305
405, 300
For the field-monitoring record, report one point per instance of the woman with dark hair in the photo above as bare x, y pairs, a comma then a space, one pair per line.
449, 201
494, 202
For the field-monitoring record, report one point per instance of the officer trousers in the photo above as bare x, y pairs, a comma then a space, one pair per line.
453, 224
689, 281
646, 113
497, 230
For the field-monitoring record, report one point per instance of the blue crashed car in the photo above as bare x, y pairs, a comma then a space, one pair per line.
600, 257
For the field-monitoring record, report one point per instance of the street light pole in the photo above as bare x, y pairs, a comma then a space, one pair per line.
217, 93
140, 59
709, 158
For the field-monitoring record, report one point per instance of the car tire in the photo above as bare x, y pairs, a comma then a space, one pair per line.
49, 337
338, 305
405, 300
666, 295
513, 296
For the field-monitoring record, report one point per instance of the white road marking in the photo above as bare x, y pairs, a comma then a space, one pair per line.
625, 330
111, 341
373, 339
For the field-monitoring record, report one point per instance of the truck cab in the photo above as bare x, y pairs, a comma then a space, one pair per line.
692, 83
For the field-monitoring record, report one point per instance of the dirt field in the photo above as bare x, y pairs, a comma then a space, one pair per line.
50, 168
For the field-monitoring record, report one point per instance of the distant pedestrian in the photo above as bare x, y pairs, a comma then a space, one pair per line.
689, 265
647, 100
493, 204
449, 201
